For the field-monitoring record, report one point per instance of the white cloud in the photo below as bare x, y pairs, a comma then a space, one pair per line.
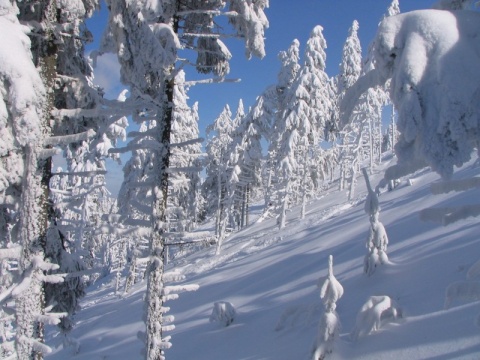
107, 75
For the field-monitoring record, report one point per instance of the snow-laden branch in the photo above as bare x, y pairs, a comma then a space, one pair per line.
44, 154
207, 12
186, 143
81, 173
11, 253
170, 289
211, 81
68, 139
92, 113
81, 273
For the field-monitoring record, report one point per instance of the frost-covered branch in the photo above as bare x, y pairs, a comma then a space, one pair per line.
211, 81
13, 252
68, 139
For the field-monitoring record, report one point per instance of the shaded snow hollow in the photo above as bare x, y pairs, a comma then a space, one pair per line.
270, 276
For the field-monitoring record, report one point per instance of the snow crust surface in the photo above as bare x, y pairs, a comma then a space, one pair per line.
271, 277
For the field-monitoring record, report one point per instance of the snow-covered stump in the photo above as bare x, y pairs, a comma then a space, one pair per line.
223, 313
377, 240
377, 311
329, 326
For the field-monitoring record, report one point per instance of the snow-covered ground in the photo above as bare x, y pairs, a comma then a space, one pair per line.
271, 278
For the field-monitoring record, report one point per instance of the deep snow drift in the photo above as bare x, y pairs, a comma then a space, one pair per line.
271, 276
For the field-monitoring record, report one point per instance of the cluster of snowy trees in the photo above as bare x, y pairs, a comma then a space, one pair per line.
58, 229
299, 120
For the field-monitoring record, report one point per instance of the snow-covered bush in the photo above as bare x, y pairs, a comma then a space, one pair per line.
329, 326
223, 313
377, 311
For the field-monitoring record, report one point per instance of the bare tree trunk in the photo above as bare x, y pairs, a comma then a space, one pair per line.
155, 343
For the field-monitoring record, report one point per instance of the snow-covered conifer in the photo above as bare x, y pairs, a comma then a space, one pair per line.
350, 142
217, 167
329, 326
284, 138
377, 240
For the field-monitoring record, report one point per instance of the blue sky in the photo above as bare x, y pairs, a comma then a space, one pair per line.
288, 20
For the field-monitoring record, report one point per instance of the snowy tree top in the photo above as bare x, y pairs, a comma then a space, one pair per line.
351, 65
393, 9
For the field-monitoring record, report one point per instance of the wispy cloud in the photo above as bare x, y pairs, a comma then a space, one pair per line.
107, 75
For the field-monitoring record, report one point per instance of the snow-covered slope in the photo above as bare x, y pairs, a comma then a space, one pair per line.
271, 278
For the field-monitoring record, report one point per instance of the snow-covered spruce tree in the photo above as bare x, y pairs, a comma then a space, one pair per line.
217, 167
377, 240
329, 326
284, 138
272, 104
184, 182
247, 156
307, 108
146, 37
244, 161
349, 147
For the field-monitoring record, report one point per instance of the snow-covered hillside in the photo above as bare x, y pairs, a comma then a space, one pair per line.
271, 278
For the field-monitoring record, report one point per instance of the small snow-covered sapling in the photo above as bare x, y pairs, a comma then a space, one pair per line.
329, 326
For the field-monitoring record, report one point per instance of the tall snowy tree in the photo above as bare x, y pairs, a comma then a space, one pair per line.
22, 107
283, 139
185, 180
217, 166
146, 38
32, 142
72, 99
350, 140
